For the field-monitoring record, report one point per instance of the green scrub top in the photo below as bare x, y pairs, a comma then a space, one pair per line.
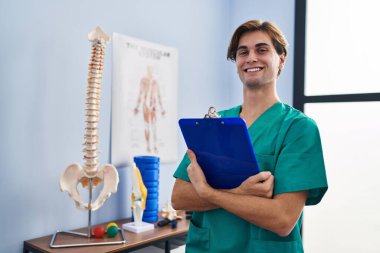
285, 142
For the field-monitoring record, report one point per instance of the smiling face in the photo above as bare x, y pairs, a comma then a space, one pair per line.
257, 61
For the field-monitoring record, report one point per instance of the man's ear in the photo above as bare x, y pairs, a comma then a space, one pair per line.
281, 64
282, 59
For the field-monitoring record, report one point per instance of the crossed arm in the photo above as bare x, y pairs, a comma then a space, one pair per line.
251, 201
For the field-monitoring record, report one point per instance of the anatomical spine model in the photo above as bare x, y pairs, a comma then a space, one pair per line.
91, 176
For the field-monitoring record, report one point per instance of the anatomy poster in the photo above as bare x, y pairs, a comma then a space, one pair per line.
144, 100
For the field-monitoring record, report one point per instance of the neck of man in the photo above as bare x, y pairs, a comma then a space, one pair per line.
256, 101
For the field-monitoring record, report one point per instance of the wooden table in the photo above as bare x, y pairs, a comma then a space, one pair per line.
133, 241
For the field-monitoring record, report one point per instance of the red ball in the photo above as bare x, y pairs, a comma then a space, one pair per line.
98, 231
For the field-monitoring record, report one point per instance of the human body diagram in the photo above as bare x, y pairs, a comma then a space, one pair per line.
150, 99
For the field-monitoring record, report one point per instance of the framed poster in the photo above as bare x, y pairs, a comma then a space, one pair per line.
144, 100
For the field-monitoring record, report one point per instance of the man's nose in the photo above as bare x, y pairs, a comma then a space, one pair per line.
252, 57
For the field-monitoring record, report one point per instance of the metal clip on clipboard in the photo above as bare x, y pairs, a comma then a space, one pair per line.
212, 114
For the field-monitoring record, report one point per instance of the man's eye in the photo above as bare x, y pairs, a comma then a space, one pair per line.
242, 52
262, 50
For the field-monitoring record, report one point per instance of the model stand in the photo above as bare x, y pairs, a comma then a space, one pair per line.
88, 234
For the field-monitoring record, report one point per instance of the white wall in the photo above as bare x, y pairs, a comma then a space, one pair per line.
44, 56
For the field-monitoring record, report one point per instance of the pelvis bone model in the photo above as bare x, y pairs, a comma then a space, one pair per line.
74, 173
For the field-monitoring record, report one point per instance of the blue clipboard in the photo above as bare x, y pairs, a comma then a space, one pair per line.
223, 149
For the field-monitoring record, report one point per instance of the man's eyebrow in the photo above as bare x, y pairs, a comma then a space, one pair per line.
241, 47
261, 44
257, 45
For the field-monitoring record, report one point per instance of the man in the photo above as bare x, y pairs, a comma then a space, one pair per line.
264, 213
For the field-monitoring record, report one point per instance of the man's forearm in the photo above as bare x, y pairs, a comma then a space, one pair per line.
184, 197
278, 215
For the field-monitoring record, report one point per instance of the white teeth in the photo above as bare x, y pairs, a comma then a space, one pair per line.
253, 70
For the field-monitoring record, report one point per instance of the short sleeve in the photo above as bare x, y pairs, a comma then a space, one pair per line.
300, 165
181, 171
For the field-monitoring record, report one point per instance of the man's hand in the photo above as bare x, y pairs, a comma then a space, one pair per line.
197, 176
260, 185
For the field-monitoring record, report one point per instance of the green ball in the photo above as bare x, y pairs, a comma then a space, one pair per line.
112, 231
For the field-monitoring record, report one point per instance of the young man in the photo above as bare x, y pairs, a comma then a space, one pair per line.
264, 213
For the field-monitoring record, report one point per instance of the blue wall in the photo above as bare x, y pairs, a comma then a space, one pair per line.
44, 56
